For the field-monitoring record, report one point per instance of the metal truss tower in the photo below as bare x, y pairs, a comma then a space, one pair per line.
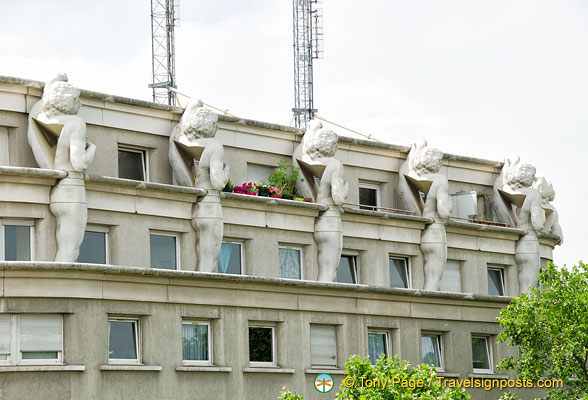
308, 45
163, 22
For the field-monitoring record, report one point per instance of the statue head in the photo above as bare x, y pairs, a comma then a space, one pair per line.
428, 160
62, 98
198, 122
523, 176
319, 141
545, 189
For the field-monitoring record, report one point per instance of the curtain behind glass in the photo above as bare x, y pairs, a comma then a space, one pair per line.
398, 273
224, 257
17, 243
376, 346
346, 271
289, 263
195, 342
495, 286
430, 351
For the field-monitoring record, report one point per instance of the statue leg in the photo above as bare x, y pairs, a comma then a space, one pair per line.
434, 248
329, 246
207, 221
68, 204
528, 260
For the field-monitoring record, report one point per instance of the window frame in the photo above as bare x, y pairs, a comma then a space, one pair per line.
4, 146
408, 269
262, 364
145, 159
177, 246
207, 323
138, 347
489, 353
322, 366
502, 271
242, 251
386, 333
355, 273
370, 185
439, 341
301, 251
17, 222
101, 229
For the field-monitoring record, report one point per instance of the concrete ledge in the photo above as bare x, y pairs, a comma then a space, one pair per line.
455, 375
211, 368
271, 200
153, 368
324, 371
488, 228
33, 172
260, 124
488, 376
270, 370
144, 185
43, 368
551, 236
389, 215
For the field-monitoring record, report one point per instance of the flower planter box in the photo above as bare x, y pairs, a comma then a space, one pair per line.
276, 196
287, 197
251, 193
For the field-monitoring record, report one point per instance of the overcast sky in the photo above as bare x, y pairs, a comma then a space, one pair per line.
478, 78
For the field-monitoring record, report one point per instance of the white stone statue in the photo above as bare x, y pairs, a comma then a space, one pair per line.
526, 212
551, 215
197, 158
501, 206
315, 156
57, 136
425, 191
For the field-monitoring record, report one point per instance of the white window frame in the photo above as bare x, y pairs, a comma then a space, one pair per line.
408, 268
106, 231
386, 334
488, 353
210, 347
242, 250
145, 157
174, 235
301, 250
322, 366
502, 271
17, 222
274, 361
371, 185
355, 256
137, 333
439, 340
15, 355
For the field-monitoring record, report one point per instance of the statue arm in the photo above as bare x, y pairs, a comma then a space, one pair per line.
339, 186
537, 214
81, 156
219, 171
444, 205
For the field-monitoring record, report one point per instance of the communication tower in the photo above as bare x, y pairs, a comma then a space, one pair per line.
164, 19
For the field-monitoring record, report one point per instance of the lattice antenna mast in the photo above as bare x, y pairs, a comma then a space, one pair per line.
164, 19
308, 45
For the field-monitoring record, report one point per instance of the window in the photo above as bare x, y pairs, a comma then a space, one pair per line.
399, 272
465, 205
123, 341
347, 270
481, 354
196, 342
290, 262
258, 172
164, 251
369, 195
496, 281
431, 349
451, 281
323, 346
4, 146
262, 345
133, 164
31, 339
230, 258
94, 248
377, 345
16, 240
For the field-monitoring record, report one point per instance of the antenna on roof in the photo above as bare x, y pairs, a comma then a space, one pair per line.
308, 45
165, 17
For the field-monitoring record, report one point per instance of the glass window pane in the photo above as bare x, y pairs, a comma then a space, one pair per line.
163, 251
260, 344
431, 350
480, 353
376, 345
495, 282
93, 248
229, 258
17, 243
323, 346
369, 197
47, 355
122, 342
346, 272
451, 281
131, 165
289, 263
398, 273
195, 342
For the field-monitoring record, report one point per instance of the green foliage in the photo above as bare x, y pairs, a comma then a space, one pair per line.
229, 185
286, 395
550, 327
284, 177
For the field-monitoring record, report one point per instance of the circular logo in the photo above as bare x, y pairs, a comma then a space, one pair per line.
324, 383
